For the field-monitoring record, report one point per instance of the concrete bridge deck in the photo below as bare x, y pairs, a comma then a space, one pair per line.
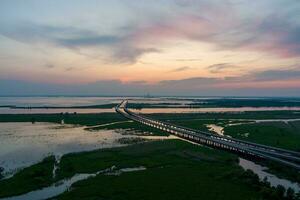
286, 157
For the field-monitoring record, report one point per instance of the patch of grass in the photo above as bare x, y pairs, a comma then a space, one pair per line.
1, 171
277, 134
195, 123
172, 182
133, 126
81, 119
175, 170
200, 124
134, 140
28, 179
150, 154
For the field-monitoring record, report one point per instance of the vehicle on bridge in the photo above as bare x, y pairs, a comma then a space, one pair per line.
286, 157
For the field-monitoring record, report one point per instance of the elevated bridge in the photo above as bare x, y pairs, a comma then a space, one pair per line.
286, 157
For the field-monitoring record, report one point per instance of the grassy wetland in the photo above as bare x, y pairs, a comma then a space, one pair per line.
189, 171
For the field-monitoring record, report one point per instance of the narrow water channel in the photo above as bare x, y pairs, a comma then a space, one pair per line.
272, 179
64, 185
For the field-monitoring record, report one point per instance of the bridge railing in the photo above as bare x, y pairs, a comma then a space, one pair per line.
214, 140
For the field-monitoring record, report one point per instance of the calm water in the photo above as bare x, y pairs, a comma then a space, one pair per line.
144, 110
272, 179
51, 191
82, 101
88, 101
64, 185
54, 110
203, 110
22, 144
57, 101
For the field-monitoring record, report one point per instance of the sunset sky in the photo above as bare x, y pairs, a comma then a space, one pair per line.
135, 47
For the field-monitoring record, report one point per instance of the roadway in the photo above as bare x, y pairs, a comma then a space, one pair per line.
283, 156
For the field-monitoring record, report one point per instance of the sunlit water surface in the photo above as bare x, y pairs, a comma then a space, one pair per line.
6, 110
22, 144
57, 101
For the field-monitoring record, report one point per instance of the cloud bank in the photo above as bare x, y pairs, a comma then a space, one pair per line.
183, 36
287, 84
224, 24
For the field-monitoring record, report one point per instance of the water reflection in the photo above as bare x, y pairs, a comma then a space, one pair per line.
51, 191
64, 185
274, 180
57, 101
204, 110
6, 110
22, 144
